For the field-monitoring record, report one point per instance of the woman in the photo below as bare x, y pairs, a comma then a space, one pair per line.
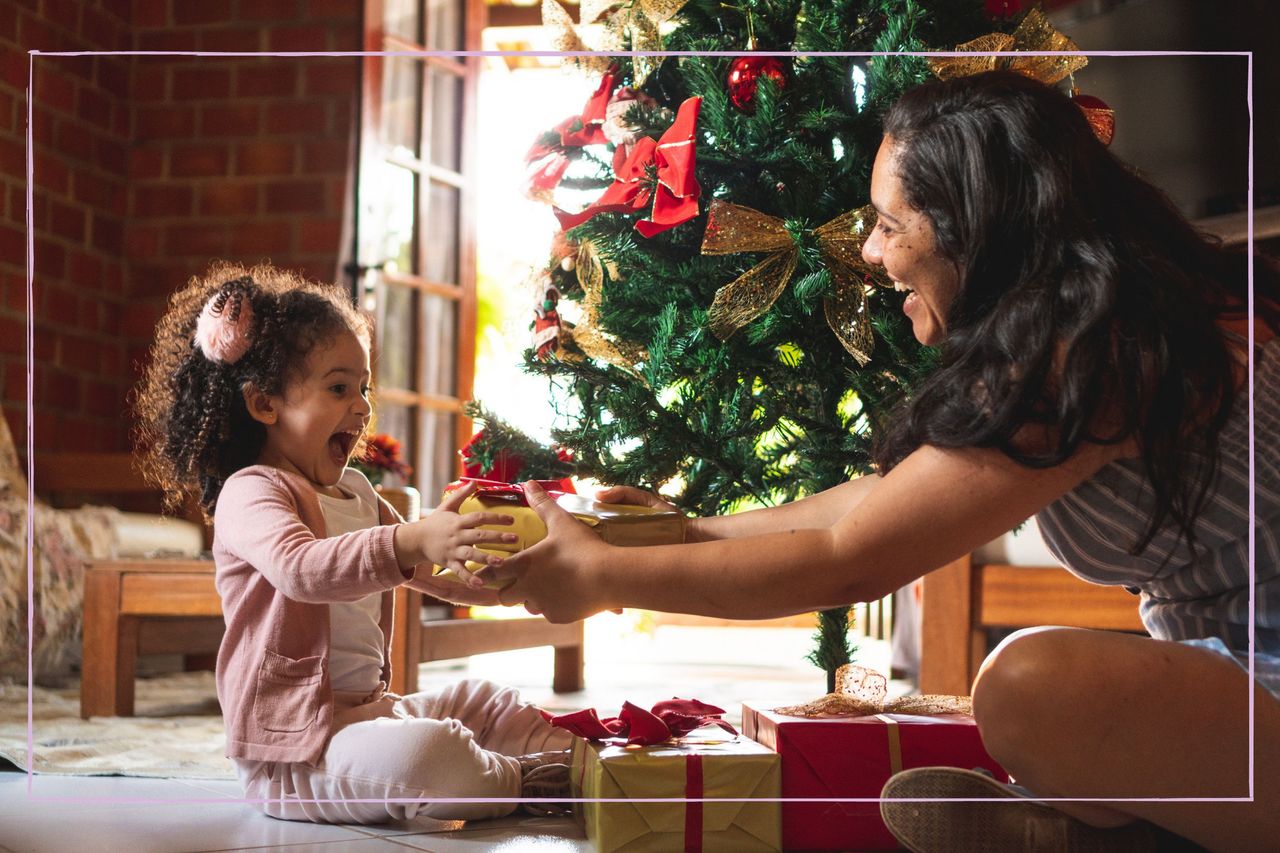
1095, 360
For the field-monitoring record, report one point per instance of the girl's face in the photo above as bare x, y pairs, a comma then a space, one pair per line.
903, 243
313, 426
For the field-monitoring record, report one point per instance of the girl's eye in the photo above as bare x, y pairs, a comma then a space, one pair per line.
338, 389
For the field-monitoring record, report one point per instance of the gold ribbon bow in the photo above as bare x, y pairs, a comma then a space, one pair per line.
639, 20
1035, 33
862, 692
586, 335
733, 228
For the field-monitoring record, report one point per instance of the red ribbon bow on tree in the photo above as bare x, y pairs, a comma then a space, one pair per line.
548, 163
673, 718
675, 198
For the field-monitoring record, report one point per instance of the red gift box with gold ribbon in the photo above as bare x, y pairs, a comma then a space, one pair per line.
845, 760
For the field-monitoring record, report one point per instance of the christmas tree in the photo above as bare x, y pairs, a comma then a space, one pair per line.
731, 347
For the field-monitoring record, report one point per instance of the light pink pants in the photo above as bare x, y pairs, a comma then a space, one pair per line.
457, 741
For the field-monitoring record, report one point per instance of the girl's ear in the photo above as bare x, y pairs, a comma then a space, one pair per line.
260, 405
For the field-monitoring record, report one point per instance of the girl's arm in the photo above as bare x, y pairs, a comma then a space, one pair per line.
932, 508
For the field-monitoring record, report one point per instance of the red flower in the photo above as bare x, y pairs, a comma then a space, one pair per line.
381, 457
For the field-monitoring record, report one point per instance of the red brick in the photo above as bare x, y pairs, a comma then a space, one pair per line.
42, 123
63, 13
263, 240
13, 390
306, 37
307, 118
9, 22
13, 335
90, 189
337, 193
78, 434
84, 269
346, 38
171, 121
46, 343
35, 33
229, 199
232, 39
79, 352
150, 13
319, 236
13, 157
324, 157
295, 197
198, 240
107, 234
60, 390
141, 319
111, 155
196, 161
270, 10
332, 77
150, 82
39, 207
51, 259
212, 80
13, 69
9, 120
163, 200
265, 158
60, 306
146, 162
67, 222
275, 77
186, 12
168, 39
94, 107
234, 119
79, 67
103, 399
53, 87
104, 29
142, 242
157, 280
13, 242
112, 75
113, 277
74, 139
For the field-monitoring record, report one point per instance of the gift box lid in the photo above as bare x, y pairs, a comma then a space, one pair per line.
736, 768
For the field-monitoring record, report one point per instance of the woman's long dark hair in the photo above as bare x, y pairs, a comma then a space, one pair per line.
1087, 304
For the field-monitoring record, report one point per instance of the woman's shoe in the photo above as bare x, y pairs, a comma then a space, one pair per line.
1012, 821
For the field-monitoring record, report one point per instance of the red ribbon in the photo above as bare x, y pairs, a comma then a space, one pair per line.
673, 718
693, 804
512, 492
547, 163
675, 196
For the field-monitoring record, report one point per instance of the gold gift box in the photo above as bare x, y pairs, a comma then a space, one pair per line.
622, 775
616, 524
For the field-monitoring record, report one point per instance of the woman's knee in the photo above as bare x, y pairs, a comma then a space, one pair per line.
1017, 688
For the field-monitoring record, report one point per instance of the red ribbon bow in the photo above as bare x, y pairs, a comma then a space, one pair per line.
513, 492
675, 198
673, 718
548, 163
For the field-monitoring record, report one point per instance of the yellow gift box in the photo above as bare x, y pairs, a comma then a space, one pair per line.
617, 524
621, 776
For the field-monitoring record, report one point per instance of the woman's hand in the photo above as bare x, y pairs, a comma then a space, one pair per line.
445, 538
557, 577
635, 497
450, 590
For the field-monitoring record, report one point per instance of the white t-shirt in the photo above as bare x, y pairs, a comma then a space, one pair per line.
355, 639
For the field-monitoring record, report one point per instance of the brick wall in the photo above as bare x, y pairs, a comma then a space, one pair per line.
150, 167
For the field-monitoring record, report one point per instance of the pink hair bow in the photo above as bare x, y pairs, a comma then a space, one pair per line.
224, 331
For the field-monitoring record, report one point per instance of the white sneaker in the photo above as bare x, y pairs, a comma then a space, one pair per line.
1013, 822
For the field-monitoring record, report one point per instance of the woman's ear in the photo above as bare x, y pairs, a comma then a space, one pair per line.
260, 404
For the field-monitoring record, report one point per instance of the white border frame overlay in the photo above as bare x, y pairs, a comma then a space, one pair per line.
30, 352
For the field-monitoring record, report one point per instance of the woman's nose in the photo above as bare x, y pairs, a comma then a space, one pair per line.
871, 248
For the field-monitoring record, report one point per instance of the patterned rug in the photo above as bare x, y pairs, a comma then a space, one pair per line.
177, 732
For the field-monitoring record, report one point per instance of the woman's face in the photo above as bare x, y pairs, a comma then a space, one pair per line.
903, 243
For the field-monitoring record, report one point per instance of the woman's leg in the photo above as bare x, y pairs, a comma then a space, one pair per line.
1075, 713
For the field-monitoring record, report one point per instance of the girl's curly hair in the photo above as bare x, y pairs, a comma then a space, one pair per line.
194, 430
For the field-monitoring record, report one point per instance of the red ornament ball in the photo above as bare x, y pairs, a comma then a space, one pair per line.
1099, 115
745, 73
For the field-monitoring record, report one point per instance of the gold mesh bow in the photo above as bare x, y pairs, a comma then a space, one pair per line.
733, 228
638, 20
1035, 33
586, 335
861, 691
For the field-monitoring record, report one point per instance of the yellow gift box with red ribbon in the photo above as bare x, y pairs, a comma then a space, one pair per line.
616, 524
656, 798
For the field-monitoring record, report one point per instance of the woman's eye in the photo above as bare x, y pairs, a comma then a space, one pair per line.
364, 390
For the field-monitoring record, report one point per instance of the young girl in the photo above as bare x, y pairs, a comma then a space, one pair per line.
256, 398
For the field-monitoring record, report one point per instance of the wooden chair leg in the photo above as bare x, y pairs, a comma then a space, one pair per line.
946, 643
568, 676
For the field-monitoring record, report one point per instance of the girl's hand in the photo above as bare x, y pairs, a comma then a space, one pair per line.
558, 577
448, 539
635, 497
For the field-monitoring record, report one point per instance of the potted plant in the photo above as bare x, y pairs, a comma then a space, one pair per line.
382, 464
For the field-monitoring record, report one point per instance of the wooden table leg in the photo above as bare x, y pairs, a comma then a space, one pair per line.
110, 649
568, 675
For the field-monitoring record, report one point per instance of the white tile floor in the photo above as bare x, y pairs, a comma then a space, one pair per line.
719, 665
